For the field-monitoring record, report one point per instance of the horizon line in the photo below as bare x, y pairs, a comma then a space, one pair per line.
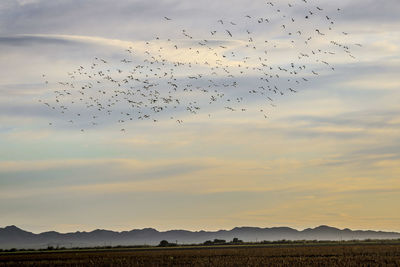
176, 229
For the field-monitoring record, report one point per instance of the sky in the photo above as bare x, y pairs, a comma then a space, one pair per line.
326, 155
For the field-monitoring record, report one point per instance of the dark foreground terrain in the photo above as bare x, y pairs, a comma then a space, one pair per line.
299, 255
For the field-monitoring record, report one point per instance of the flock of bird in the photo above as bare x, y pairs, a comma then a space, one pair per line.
240, 64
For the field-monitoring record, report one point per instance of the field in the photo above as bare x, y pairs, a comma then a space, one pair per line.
293, 255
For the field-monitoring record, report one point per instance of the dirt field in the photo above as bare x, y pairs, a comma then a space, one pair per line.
318, 255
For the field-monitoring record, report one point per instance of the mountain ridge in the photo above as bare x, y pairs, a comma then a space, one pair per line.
14, 237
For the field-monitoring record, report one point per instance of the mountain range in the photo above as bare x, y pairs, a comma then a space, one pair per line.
14, 237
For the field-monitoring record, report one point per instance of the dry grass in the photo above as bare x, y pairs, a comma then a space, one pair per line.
333, 255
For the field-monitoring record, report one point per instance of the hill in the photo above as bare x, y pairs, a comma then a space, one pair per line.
14, 237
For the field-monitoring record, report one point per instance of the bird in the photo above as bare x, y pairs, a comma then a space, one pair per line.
153, 84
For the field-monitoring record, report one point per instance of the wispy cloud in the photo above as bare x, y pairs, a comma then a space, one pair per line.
319, 157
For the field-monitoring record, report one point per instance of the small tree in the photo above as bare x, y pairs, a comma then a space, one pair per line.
236, 240
219, 241
163, 243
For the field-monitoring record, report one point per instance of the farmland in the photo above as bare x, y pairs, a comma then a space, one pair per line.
257, 255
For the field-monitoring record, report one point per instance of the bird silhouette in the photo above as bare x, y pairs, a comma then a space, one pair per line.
204, 73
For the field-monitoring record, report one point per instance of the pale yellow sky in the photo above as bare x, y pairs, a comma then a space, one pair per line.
327, 155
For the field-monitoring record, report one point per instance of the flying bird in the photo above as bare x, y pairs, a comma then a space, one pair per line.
206, 73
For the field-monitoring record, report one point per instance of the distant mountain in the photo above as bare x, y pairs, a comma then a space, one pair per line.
14, 237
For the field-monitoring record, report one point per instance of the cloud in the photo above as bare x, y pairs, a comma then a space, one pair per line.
370, 11
26, 40
320, 156
92, 172
369, 119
